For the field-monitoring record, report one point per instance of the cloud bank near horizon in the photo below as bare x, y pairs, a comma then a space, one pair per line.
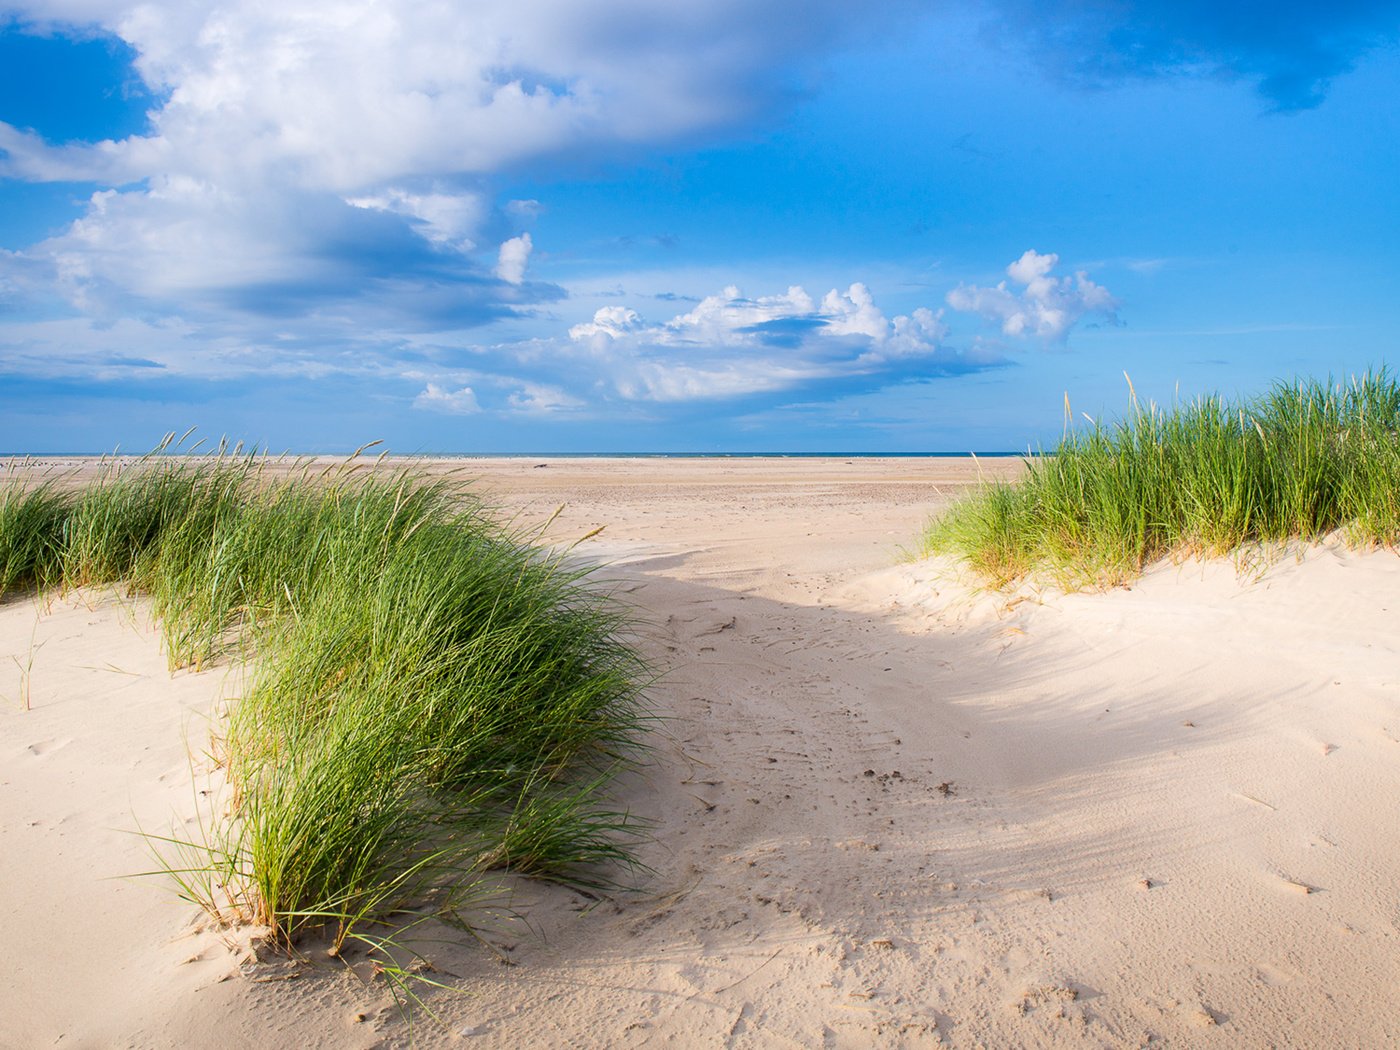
731, 347
727, 348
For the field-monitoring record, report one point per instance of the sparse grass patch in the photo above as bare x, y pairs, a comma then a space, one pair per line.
433, 698
1206, 478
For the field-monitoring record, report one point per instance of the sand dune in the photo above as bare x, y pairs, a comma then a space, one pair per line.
888, 811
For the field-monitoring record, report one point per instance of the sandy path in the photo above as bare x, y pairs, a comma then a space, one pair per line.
887, 816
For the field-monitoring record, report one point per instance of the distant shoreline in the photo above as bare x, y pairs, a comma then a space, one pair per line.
566, 455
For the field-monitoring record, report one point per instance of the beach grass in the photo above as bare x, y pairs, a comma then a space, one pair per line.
1206, 478
432, 698
32, 515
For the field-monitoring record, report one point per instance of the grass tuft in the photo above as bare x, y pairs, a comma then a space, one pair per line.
433, 698
33, 512
1206, 478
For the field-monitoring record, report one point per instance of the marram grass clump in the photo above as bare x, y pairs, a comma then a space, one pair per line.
1205, 478
432, 697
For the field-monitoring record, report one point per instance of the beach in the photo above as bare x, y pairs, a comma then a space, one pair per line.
886, 808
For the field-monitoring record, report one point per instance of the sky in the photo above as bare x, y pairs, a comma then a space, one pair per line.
544, 226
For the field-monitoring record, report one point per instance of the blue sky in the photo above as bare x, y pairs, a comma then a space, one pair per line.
633, 226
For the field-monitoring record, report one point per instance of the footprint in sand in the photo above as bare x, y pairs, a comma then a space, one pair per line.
44, 747
1274, 976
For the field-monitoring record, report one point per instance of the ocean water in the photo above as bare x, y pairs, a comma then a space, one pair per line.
998, 454
720, 455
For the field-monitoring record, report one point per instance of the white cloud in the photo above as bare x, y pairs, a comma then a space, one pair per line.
730, 345
452, 402
537, 399
514, 256
729, 319
854, 313
446, 220
678, 381
1046, 306
352, 96
477, 390
916, 334
177, 236
610, 322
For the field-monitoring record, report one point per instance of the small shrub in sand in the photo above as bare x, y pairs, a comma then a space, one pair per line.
432, 697
1206, 478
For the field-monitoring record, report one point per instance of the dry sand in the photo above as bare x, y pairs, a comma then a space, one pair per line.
889, 812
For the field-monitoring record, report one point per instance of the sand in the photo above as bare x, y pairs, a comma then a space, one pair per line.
889, 810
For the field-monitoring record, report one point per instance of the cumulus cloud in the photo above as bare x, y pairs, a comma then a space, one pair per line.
436, 89
854, 313
730, 345
540, 399
1046, 307
453, 402
729, 319
189, 250
513, 257
914, 335
446, 220
609, 322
